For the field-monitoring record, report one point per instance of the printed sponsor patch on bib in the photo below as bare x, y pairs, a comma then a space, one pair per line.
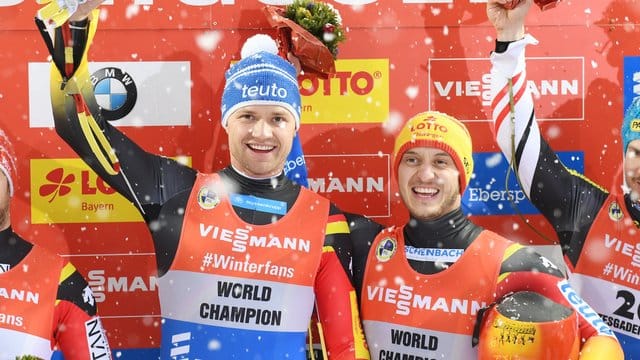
432, 254
615, 212
208, 198
386, 248
251, 202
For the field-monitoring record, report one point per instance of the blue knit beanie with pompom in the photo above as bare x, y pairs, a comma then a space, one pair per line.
261, 77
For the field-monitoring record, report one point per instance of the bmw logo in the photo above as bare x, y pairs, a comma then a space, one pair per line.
115, 92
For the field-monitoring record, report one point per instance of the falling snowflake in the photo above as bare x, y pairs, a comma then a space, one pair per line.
493, 161
393, 123
412, 92
208, 40
214, 345
553, 132
132, 10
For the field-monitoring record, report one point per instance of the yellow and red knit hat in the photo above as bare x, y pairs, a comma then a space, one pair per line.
438, 130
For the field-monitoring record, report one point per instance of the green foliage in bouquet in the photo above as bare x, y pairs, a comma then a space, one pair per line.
27, 357
320, 19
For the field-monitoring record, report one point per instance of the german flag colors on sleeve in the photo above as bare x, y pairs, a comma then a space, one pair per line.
337, 224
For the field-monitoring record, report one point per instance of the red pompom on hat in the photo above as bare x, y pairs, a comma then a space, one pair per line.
7, 161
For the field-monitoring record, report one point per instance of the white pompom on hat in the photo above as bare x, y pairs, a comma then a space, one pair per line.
7, 161
261, 77
258, 43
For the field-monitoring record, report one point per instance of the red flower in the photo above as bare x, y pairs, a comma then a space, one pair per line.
329, 28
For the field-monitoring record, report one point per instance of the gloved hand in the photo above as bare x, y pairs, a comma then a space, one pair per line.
57, 12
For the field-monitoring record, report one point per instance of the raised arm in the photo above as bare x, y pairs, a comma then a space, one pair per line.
146, 179
567, 199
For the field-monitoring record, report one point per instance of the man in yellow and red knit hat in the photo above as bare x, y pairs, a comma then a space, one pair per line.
422, 285
440, 131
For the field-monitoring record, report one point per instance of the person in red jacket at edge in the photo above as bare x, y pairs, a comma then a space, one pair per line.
590, 222
45, 303
243, 254
422, 285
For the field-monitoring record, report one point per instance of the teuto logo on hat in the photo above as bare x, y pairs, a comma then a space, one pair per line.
261, 78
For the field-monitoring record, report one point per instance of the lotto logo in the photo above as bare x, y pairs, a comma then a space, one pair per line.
357, 93
67, 191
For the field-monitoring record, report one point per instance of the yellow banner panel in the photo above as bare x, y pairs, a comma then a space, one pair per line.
357, 93
68, 191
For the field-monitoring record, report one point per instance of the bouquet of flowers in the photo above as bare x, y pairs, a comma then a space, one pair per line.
309, 30
542, 4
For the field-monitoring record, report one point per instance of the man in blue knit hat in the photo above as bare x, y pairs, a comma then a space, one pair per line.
243, 254
260, 109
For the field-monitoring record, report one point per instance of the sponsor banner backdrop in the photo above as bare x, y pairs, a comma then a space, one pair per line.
631, 79
487, 193
462, 86
125, 288
115, 284
357, 92
68, 191
143, 93
401, 57
360, 182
